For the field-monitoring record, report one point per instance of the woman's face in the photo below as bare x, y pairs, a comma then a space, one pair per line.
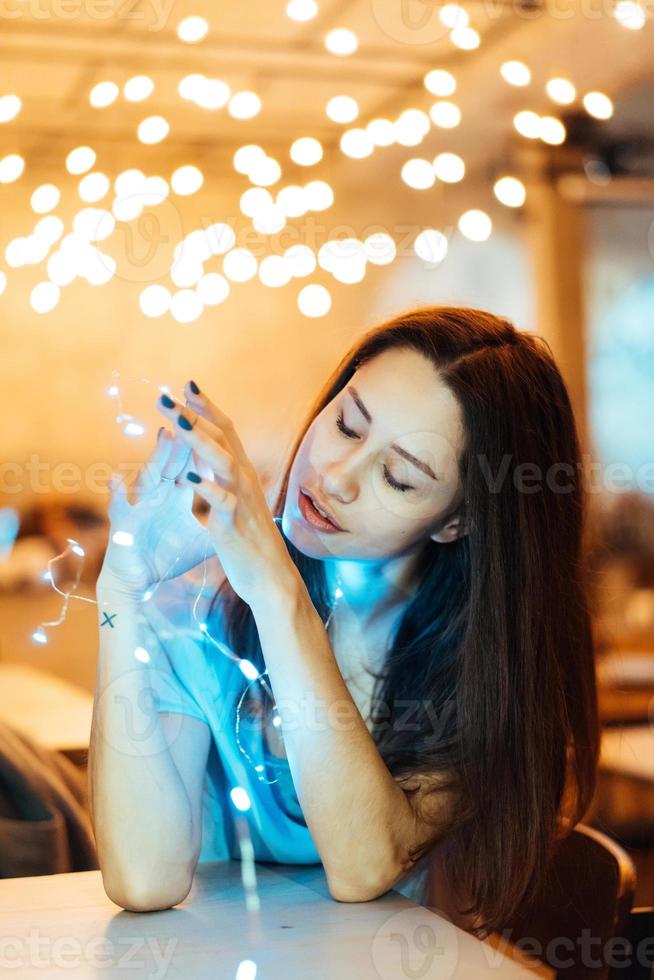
385, 503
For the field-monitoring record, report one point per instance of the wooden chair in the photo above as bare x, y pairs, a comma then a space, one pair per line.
585, 924
588, 893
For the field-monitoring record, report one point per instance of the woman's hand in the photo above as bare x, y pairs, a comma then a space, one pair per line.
166, 537
247, 541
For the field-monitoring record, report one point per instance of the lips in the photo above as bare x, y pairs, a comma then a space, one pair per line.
318, 504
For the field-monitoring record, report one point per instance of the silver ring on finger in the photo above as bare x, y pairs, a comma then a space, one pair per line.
169, 479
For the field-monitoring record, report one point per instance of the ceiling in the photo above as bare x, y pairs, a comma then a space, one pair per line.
55, 51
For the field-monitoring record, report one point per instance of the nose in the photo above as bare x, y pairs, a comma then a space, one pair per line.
338, 483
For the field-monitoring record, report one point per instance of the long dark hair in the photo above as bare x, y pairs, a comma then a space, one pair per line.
494, 651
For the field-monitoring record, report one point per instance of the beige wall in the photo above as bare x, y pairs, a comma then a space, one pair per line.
256, 355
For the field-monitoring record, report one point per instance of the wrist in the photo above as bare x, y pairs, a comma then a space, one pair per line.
284, 590
110, 589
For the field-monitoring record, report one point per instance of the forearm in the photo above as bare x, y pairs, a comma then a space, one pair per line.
140, 809
359, 817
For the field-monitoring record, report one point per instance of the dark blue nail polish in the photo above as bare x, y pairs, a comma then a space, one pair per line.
167, 402
193, 477
194, 388
184, 423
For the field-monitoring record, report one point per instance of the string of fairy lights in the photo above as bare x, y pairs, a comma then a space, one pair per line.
110, 201
208, 263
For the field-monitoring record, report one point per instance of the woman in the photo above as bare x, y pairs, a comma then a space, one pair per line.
444, 450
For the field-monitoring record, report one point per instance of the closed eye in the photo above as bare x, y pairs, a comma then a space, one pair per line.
350, 434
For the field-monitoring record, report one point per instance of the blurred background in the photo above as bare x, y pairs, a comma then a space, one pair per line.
233, 193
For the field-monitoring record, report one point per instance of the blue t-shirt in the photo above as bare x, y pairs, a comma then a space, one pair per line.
191, 676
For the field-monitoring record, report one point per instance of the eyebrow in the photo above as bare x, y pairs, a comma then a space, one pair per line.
351, 390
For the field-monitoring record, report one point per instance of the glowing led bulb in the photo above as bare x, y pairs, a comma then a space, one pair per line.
300, 260
138, 88
248, 669
453, 15
342, 109
475, 225
292, 201
44, 297
11, 168
124, 538
93, 187
449, 167
418, 174
153, 129
212, 289
39, 636
186, 180
306, 151
598, 105
465, 38
552, 130
561, 91
341, 41
10, 106
528, 124
45, 198
515, 73
319, 195
240, 798
510, 191
186, 306
445, 114
80, 160
244, 105
247, 156
314, 300
440, 82
142, 654
379, 248
239, 265
381, 132
155, 300
301, 10
356, 143
103, 94
192, 29
430, 246
630, 14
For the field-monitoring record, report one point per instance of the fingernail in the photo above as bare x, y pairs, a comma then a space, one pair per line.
194, 388
184, 423
167, 402
193, 477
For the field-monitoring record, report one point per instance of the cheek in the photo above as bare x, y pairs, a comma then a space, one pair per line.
412, 511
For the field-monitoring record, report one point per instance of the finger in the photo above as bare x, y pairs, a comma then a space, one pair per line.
179, 457
221, 499
209, 410
150, 475
204, 439
171, 409
119, 495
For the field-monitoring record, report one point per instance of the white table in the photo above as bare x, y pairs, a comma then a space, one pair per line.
49, 709
65, 926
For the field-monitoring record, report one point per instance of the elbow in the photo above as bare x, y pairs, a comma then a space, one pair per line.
146, 897
361, 890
